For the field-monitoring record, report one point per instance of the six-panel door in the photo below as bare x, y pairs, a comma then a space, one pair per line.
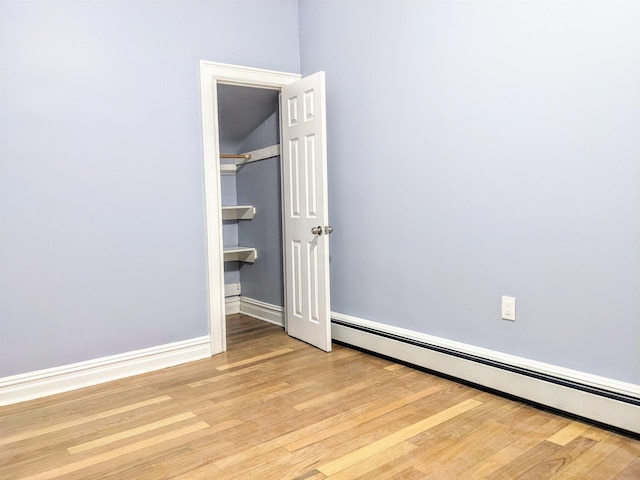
305, 211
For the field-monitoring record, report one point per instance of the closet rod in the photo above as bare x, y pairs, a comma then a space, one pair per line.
245, 156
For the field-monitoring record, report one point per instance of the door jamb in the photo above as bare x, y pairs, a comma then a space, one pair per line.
212, 73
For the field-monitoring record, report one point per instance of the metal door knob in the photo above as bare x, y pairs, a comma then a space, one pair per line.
328, 229
317, 230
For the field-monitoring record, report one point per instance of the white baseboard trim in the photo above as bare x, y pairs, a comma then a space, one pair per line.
231, 305
262, 310
600, 399
42, 383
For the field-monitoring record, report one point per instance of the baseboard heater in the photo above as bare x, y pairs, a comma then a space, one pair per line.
595, 404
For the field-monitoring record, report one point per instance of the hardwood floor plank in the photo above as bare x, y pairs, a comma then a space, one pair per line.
311, 475
394, 366
304, 429
129, 433
369, 432
377, 465
360, 419
275, 408
202, 472
167, 460
613, 465
258, 358
595, 433
631, 472
409, 473
336, 395
463, 453
559, 460
525, 433
448, 433
526, 461
229, 376
78, 465
581, 465
275, 464
301, 432
568, 433
79, 421
365, 452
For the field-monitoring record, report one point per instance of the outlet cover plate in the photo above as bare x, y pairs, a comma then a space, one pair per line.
509, 308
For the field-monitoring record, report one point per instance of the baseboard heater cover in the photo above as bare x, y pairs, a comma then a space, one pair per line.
607, 407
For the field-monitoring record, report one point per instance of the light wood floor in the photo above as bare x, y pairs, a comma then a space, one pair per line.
275, 408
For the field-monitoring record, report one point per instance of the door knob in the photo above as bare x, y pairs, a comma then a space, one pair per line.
317, 230
328, 229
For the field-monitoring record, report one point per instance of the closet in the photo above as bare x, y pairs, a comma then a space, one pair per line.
249, 136
266, 199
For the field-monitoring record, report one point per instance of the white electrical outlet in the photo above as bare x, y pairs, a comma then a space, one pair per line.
509, 308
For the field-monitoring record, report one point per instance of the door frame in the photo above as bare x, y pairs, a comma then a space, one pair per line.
211, 74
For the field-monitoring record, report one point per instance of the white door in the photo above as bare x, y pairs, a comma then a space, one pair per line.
305, 211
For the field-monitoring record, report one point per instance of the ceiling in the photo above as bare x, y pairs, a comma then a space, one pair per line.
242, 109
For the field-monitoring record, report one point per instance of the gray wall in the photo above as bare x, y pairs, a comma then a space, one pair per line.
259, 185
102, 246
480, 149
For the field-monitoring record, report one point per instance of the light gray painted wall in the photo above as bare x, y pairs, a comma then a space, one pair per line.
258, 184
102, 246
480, 149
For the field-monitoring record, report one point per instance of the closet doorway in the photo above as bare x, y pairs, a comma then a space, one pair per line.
298, 119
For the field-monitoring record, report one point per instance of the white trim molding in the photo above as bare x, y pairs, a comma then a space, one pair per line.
262, 310
596, 398
42, 383
232, 305
250, 76
212, 73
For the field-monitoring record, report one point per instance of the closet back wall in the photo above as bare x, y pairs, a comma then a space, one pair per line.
259, 184
102, 245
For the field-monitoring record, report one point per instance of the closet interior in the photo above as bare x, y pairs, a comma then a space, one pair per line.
249, 144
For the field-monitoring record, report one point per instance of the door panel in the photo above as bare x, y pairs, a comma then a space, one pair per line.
304, 163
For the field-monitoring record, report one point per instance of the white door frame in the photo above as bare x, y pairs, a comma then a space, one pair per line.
212, 73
